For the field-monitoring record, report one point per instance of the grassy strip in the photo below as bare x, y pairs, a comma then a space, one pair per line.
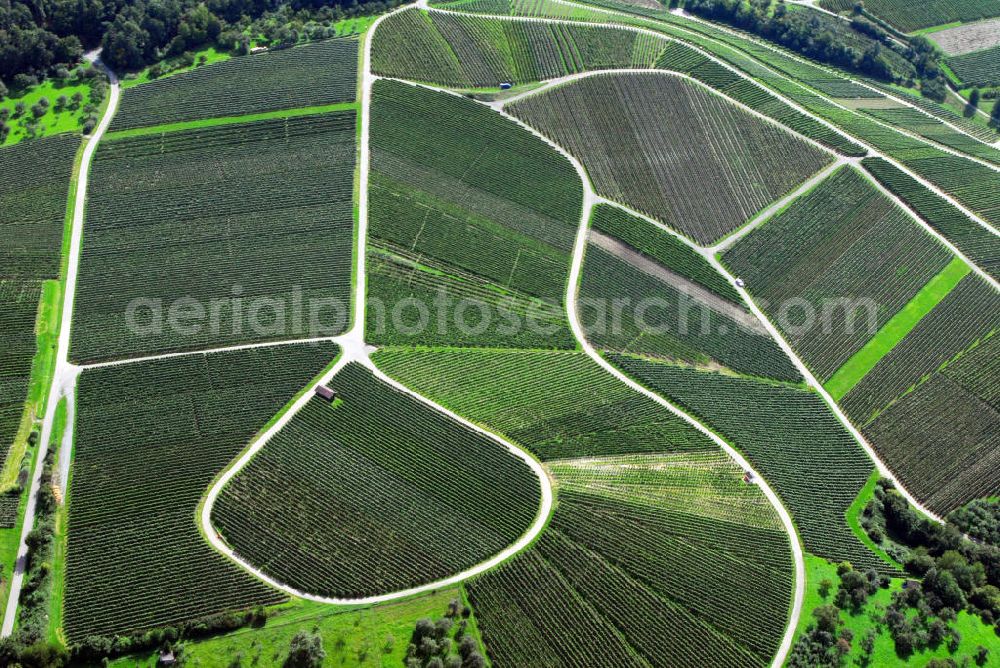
853, 516
369, 636
229, 120
59, 525
854, 369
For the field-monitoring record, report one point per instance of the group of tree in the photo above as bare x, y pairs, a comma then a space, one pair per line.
38, 37
979, 519
444, 643
858, 45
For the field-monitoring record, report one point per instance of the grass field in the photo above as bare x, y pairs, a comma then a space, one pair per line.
372, 637
841, 382
67, 119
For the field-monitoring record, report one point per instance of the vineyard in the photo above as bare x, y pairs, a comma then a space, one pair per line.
662, 247
316, 74
910, 15
18, 307
969, 237
466, 202
374, 494
633, 131
841, 243
645, 558
919, 123
790, 436
697, 330
555, 404
257, 214
929, 406
34, 183
150, 436
980, 68
478, 52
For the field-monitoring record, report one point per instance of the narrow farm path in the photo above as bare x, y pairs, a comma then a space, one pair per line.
65, 374
354, 349
872, 151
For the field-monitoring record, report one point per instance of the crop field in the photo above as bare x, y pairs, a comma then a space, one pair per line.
632, 131
980, 68
621, 572
910, 15
678, 57
555, 404
257, 214
150, 436
929, 406
662, 247
968, 38
374, 494
18, 308
479, 52
480, 207
34, 183
312, 75
841, 243
696, 329
972, 239
790, 436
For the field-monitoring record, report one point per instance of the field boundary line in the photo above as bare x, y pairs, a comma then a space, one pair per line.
64, 375
339, 339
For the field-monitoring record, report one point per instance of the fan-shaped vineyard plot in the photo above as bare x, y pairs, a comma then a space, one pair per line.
645, 558
790, 436
478, 52
150, 437
672, 150
312, 75
373, 493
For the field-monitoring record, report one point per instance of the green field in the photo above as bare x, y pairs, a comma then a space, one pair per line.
68, 119
895, 329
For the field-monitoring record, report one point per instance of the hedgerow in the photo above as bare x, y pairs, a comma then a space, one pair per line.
315, 74
622, 569
259, 211
778, 428
385, 493
149, 438
841, 242
632, 130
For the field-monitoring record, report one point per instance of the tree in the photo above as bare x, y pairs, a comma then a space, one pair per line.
982, 655
3, 90
827, 618
126, 45
19, 108
306, 651
39, 110
77, 99
467, 646
61, 102
824, 587
476, 660
4, 131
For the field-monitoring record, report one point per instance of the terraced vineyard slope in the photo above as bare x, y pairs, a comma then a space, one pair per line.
374, 493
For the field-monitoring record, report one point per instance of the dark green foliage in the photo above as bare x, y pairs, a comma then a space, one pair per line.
307, 76
260, 211
979, 519
136, 559
778, 427
306, 651
972, 239
414, 493
839, 244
